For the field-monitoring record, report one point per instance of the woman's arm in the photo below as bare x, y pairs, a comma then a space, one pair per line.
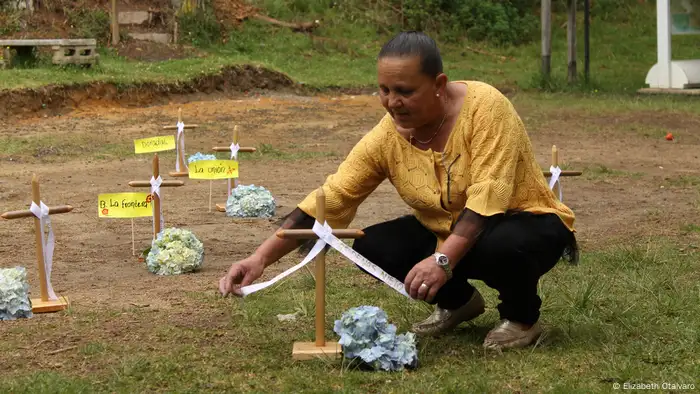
463, 237
357, 177
274, 248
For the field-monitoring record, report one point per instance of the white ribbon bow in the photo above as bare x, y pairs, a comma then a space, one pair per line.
180, 146
234, 151
234, 156
48, 244
155, 189
325, 234
556, 172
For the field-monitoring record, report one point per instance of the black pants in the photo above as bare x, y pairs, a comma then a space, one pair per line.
510, 255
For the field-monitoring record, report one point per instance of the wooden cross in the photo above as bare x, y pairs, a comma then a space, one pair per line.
43, 304
247, 149
156, 196
181, 168
555, 163
310, 350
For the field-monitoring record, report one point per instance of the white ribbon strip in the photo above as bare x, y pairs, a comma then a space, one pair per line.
234, 156
47, 244
325, 234
246, 290
180, 148
556, 172
155, 189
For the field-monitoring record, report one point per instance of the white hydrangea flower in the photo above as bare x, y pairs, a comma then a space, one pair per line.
250, 201
175, 251
14, 294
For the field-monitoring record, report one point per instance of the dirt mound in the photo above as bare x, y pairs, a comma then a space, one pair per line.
149, 51
57, 99
231, 12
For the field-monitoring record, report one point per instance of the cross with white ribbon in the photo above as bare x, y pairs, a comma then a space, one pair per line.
556, 172
326, 237
48, 243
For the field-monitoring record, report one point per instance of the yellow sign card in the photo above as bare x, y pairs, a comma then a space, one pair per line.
125, 205
155, 144
213, 169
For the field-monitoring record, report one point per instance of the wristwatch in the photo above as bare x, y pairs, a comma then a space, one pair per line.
443, 262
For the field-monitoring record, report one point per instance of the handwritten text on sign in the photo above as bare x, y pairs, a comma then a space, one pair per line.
214, 169
155, 144
125, 205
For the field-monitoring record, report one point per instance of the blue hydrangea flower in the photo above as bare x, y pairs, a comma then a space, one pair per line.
14, 294
175, 251
248, 201
366, 334
200, 156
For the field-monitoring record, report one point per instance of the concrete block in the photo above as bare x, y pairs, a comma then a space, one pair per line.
134, 17
163, 38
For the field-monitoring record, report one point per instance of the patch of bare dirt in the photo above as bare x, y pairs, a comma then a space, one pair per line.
232, 12
149, 51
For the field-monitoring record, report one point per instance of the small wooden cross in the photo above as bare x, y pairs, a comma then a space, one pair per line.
555, 163
181, 166
310, 350
43, 304
156, 196
248, 149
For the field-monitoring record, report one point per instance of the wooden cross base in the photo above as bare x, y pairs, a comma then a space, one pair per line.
180, 174
310, 351
39, 306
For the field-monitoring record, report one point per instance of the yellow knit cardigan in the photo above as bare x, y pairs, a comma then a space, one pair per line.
490, 160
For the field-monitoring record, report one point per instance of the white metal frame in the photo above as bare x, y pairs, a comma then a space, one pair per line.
666, 73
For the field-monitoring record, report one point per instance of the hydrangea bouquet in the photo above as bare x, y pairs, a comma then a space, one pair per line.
250, 201
175, 251
200, 156
14, 294
366, 335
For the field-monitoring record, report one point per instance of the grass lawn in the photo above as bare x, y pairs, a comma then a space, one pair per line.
625, 314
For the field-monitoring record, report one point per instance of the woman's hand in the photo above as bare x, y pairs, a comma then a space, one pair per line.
241, 273
426, 272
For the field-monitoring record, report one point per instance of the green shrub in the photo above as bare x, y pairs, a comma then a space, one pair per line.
199, 28
90, 23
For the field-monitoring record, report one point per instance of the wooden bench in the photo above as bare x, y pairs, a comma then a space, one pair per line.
65, 51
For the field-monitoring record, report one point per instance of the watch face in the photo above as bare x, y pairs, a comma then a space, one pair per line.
442, 260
